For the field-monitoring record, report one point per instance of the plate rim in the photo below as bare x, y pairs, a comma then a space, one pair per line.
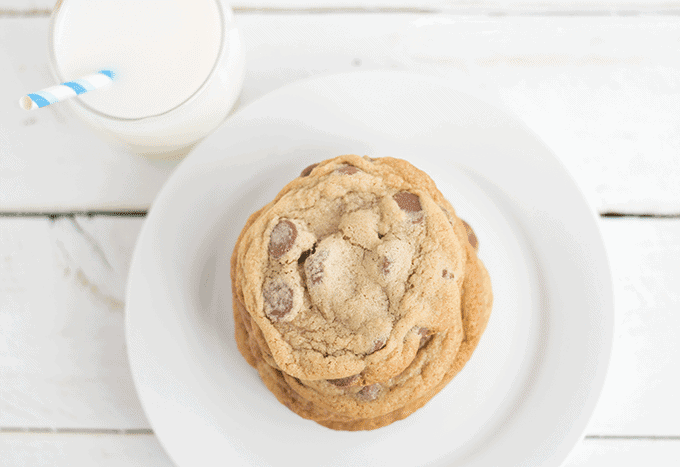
605, 353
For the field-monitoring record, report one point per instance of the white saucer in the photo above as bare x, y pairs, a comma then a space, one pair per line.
527, 393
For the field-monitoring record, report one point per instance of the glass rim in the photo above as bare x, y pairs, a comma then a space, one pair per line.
60, 77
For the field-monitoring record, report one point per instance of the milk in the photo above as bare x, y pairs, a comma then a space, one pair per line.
162, 51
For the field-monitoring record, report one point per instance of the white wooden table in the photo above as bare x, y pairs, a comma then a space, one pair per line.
598, 80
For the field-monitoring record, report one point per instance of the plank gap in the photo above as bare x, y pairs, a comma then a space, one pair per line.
78, 431
334, 10
142, 213
638, 215
490, 12
56, 215
635, 437
30, 13
149, 431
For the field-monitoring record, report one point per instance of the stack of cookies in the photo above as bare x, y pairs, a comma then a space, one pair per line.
357, 292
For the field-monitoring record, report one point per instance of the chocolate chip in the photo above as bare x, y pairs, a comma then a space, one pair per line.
307, 170
377, 345
369, 393
282, 238
344, 382
278, 299
472, 238
446, 274
303, 256
408, 202
425, 337
347, 170
386, 264
314, 267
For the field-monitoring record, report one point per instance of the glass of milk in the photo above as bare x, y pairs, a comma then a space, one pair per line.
178, 65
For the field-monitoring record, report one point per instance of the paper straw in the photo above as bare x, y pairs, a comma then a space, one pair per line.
67, 90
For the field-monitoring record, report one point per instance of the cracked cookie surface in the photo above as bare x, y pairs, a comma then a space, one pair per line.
345, 264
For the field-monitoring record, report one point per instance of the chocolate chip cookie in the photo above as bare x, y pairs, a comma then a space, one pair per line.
357, 292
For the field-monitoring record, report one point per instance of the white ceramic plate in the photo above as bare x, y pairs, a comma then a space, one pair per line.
525, 397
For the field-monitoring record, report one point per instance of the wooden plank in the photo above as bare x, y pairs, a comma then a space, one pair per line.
25, 7
102, 450
62, 348
63, 360
625, 453
110, 450
601, 91
641, 391
18, 7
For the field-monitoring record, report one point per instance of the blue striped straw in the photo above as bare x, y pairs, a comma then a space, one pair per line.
64, 91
